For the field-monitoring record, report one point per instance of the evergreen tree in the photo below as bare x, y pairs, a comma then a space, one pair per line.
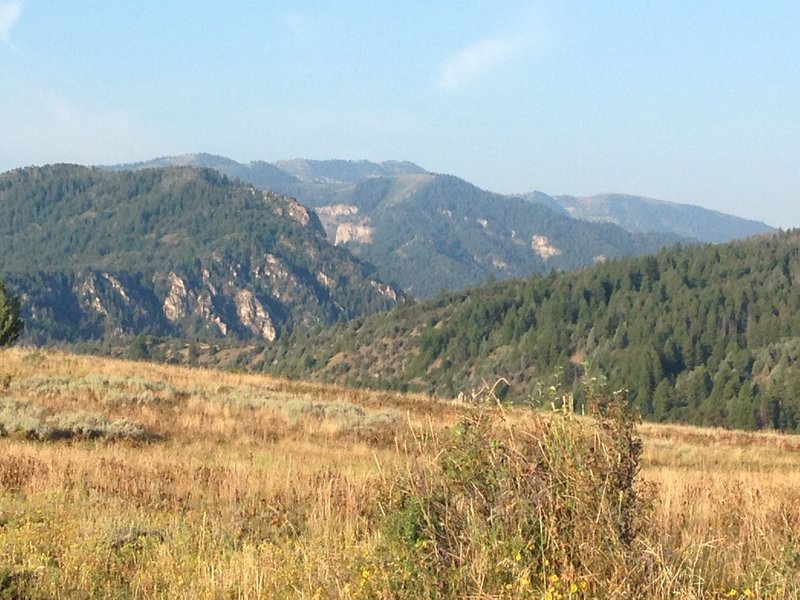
10, 321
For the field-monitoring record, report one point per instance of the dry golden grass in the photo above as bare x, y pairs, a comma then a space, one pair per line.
726, 511
254, 487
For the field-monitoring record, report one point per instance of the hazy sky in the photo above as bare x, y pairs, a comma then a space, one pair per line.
695, 102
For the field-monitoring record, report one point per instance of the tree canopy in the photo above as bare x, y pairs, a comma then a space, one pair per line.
702, 334
10, 321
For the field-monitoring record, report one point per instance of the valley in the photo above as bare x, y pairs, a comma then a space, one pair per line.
228, 484
399, 301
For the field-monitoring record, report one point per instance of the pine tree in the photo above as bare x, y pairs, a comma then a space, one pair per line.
10, 321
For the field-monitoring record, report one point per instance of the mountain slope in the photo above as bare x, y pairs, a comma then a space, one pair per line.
175, 251
432, 232
346, 171
635, 213
705, 334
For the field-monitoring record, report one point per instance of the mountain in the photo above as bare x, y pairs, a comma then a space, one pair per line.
258, 173
429, 232
634, 213
703, 334
437, 232
171, 251
346, 171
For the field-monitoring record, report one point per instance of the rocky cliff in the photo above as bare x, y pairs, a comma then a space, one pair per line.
175, 251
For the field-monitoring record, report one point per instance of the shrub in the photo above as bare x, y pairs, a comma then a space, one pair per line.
36, 422
528, 504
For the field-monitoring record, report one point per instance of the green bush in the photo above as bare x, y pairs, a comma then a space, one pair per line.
522, 505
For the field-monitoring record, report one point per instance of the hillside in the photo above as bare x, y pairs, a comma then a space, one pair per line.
175, 251
634, 213
707, 334
123, 479
433, 232
430, 232
346, 171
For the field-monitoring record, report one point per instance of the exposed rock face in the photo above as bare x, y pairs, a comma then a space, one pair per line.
98, 292
175, 252
88, 296
343, 224
205, 306
385, 290
282, 283
542, 246
351, 232
220, 300
254, 316
175, 306
299, 213
337, 210
499, 264
326, 281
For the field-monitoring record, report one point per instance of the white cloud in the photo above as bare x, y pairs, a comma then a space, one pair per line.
9, 13
476, 61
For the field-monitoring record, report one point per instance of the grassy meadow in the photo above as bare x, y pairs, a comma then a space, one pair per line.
133, 480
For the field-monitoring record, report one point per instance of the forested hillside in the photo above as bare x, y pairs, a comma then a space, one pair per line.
437, 232
177, 251
706, 334
429, 232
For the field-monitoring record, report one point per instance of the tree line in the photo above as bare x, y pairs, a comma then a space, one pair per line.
700, 334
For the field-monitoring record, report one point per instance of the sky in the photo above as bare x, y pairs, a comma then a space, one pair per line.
693, 102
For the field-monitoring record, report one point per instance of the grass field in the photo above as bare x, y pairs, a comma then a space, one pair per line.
133, 480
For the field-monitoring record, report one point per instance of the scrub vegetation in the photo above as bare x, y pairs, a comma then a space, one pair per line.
190, 483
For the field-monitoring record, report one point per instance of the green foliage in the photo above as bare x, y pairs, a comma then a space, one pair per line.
443, 233
539, 507
433, 232
10, 321
95, 254
707, 335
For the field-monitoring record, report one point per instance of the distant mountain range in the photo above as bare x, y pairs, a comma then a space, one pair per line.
429, 232
696, 332
637, 214
176, 251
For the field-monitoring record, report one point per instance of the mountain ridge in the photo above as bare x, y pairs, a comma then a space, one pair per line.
705, 334
641, 214
343, 172
172, 251
381, 212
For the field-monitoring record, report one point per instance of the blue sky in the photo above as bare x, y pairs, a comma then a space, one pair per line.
695, 102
